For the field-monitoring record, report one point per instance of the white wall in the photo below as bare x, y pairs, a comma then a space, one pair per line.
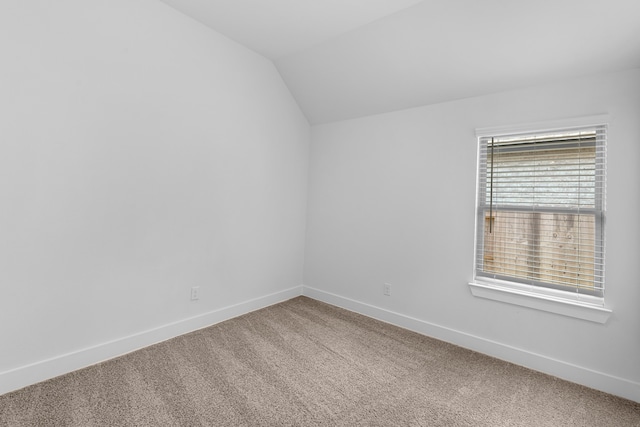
141, 154
392, 197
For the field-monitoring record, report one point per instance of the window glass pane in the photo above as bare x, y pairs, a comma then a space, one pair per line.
556, 249
562, 178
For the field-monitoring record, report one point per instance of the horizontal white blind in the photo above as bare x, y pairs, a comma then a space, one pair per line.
540, 209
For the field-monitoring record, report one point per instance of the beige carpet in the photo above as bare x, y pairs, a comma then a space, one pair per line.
305, 363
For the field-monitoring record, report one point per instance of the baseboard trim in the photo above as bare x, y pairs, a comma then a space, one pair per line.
558, 368
23, 376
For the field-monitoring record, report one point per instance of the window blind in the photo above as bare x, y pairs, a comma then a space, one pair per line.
540, 209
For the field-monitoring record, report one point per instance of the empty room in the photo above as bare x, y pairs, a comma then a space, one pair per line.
319, 213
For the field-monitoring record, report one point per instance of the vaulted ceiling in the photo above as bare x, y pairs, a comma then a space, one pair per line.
349, 58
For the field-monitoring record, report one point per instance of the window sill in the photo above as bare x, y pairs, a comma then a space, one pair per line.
580, 307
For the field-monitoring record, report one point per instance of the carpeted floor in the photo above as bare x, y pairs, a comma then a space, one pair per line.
305, 363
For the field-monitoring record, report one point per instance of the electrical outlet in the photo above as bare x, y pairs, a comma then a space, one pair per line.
195, 293
387, 289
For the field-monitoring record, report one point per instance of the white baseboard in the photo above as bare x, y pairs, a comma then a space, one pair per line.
558, 368
43, 370
50, 368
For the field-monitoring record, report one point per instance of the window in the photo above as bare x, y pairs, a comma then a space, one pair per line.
540, 212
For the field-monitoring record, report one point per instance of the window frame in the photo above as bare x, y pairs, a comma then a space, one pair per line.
572, 304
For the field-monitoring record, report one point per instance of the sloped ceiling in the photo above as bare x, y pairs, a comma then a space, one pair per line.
349, 58
279, 28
